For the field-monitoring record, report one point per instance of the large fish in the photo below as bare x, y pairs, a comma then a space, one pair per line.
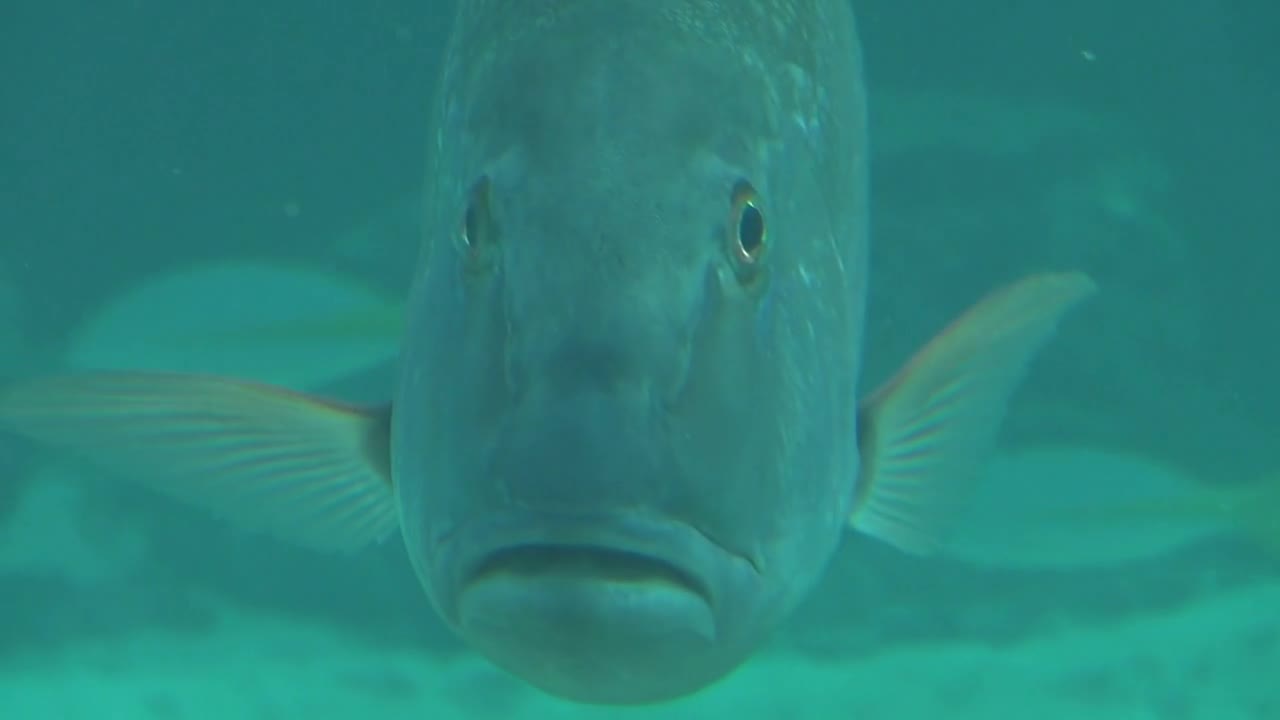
626, 437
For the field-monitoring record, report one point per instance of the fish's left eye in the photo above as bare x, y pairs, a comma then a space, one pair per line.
746, 230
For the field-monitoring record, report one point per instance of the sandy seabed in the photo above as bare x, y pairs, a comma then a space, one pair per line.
1218, 660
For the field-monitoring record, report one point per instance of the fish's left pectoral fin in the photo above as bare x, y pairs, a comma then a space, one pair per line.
310, 471
924, 434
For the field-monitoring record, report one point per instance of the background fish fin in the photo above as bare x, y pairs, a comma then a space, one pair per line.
925, 432
1254, 511
310, 471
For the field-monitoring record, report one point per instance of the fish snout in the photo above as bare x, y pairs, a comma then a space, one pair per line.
611, 341
589, 450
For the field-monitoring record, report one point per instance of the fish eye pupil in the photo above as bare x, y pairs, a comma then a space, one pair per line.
476, 238
751, 230
469, 225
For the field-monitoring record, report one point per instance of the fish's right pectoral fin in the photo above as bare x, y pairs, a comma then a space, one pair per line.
312, 472
924, 434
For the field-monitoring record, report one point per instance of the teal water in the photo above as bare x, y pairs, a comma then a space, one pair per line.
1131, 140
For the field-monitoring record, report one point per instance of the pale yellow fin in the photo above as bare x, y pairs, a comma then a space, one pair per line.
924, 433
1253, 510
310, 471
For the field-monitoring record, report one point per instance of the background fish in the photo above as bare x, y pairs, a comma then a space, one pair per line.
316, 327
1071, 508
625, 440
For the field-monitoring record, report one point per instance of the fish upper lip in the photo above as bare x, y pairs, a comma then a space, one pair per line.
690, 552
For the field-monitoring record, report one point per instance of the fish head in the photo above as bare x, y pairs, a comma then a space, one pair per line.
623, 439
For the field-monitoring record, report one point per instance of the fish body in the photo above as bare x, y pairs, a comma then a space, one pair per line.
619, 364
626, 437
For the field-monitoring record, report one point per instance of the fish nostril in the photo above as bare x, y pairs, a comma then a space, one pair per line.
590, 364
565, 364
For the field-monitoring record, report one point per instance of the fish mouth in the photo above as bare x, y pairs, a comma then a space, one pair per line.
620, 551
587, 562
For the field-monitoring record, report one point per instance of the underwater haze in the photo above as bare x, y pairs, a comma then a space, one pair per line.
236, 188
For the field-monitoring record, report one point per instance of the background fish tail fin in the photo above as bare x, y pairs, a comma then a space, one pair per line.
925, 432
1255, 511
310, 471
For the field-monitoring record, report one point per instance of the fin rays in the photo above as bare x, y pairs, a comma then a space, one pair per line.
927, 429
307, 470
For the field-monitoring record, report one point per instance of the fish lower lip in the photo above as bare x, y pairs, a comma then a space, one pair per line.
585, 562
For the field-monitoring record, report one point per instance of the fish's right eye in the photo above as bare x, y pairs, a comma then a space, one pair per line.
476, 234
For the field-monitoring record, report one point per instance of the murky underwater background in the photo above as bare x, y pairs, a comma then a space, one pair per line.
179, 183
